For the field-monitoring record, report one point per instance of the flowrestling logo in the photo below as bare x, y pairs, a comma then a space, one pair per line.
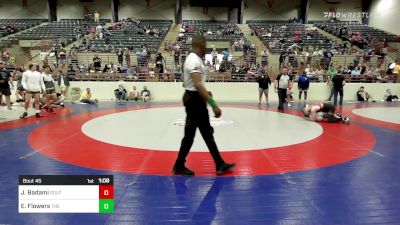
346, 15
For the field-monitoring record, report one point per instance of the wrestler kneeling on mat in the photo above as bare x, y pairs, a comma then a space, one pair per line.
324, 112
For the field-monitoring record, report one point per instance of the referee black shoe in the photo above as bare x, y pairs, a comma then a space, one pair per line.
225, 167
182, 171
24, 115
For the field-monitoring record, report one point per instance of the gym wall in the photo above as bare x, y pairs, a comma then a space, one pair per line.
162, 91
279, 10
158, 9
385, 15
14, 9
74, 9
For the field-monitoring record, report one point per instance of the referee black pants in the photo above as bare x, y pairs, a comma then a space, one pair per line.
197, 117
282, 94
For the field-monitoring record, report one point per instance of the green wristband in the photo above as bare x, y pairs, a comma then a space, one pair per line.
212, 102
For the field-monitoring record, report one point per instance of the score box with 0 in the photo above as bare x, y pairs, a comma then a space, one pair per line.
66, 194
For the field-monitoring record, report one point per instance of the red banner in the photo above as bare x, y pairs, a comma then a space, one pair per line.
205, 10
270, 2
24, 3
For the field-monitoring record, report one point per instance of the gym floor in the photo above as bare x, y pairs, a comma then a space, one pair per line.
289, 170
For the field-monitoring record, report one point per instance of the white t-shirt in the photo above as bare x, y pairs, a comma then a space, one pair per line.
193, 64
43, 56
62, 81
283, 82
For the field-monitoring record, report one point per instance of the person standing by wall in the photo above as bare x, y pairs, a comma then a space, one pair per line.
63, 82
303, 85
283, 82
50, 92
195, 100
19, 94
33, 84
263, 86
6, 85
96, 16
331, 72
338, 84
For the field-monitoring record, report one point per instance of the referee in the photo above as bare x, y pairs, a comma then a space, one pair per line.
195, 100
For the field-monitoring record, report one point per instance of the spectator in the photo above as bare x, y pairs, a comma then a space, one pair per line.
331, 73
96, 16
63, 82
356, 71
307, 70
263, 86
133, 94
151, 67
283, 82
50, 94
320, 74
5, 56
389, 97
72, 54
86, 97
363, 96
177, 58
282, 58
59, 101
214, 55
120, 56
338, 84
99, 29
127, 55
62, 58
43, 55
19, 94
396, 68
145, 94
303, 85
6, 85
391, 68
327, 57
264, 58
225, 54
120, 93
97, 62
160, 61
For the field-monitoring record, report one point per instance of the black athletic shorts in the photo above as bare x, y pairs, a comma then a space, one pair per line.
5, 91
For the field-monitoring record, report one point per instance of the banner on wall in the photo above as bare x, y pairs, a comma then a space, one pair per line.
86, 9
148, 3
269, 3
24, 3
205, 10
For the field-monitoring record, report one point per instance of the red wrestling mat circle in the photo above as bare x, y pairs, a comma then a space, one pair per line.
348, 111
338, 144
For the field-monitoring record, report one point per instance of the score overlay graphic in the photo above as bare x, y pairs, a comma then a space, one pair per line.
66, 194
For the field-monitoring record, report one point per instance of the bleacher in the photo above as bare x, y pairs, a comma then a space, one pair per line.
353, 26
202, 26
283, 29
18, 24
56, 30
132, 38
